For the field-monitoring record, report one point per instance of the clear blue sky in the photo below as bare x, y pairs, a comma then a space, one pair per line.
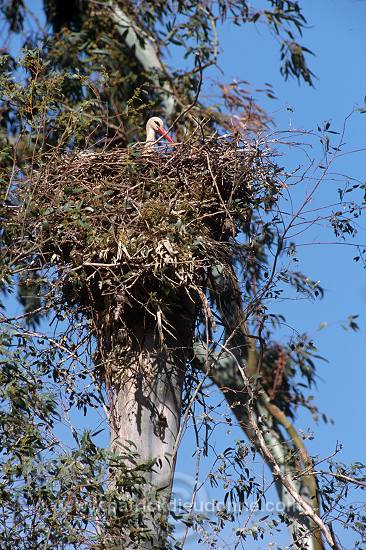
338, 38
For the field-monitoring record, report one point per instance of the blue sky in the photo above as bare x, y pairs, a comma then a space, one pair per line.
337, 37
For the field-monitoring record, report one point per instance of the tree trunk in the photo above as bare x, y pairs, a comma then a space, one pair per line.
145, 406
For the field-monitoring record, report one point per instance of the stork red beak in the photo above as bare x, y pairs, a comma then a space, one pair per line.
165, 134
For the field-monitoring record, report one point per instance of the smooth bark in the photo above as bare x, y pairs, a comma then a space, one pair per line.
147, 55
145, 406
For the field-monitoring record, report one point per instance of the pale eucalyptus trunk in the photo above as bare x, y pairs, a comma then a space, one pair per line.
145, 405
147, 53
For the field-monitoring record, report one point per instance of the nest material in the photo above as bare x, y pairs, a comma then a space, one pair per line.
134, 226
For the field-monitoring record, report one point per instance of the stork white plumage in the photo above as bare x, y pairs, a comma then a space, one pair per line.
153, 126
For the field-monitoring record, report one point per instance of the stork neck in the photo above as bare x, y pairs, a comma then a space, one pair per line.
150, 134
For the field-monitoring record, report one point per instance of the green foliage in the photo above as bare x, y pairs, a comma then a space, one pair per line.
78, 84
190, 26
85, 57
53, 496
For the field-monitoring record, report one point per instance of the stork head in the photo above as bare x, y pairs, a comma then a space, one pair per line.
153, 125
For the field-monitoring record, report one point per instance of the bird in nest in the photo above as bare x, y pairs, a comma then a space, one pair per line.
155, 126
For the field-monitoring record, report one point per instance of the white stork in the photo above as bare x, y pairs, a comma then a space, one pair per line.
153, 125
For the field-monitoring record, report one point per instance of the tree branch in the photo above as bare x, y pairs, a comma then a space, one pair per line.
145, 54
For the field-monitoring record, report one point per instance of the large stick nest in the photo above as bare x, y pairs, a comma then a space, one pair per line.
133, 225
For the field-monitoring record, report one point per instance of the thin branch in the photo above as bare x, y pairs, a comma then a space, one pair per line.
287, 483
